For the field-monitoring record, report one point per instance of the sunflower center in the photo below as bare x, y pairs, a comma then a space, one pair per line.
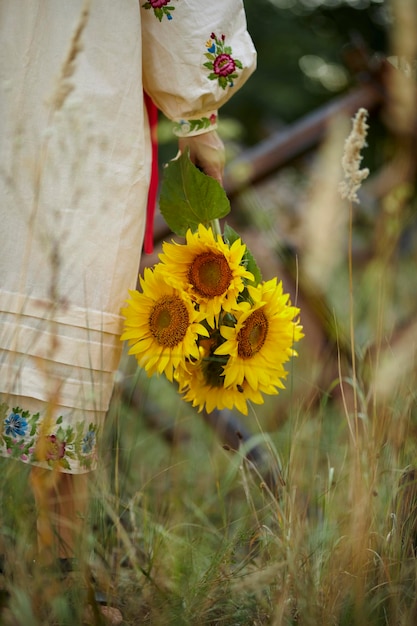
252, 335
210, 274
168, 321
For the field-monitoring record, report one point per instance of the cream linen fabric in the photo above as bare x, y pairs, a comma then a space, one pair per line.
75, 167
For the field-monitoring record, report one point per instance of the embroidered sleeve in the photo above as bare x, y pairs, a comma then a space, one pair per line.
196, 55
197, 126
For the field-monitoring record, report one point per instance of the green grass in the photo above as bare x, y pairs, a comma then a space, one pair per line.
205, 541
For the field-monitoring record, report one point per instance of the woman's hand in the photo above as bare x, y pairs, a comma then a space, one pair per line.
206, 152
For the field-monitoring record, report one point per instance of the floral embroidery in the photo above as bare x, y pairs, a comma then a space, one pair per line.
220, 61
159, 8
184, 127
19, 428
67, 446
15, 425
55, 448
88, 441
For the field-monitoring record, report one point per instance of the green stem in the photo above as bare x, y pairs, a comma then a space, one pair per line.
215, 226
352, 326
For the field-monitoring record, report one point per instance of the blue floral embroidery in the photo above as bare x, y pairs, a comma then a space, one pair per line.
88, 442
220, 61
159, 8
15, 425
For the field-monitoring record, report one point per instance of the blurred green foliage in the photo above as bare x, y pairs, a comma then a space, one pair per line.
300, 45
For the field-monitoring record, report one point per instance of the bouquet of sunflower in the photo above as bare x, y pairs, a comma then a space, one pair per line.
203, 316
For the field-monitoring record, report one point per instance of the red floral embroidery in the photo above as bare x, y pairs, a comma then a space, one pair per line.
224, 65
55, 448
220, 61
159, 8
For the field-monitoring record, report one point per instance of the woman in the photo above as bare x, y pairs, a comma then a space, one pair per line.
76, 163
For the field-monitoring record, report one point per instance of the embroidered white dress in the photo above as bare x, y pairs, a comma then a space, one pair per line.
75, 167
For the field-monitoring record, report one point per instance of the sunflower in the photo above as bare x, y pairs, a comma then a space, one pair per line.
161, 325
202, 384
262, 339
210, 271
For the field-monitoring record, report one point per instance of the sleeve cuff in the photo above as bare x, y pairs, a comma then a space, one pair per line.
196, 126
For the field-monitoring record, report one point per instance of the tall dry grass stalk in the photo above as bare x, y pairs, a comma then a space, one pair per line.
353, 178
64, 85
362, 476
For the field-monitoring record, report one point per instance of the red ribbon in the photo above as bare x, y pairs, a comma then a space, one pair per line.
153, 185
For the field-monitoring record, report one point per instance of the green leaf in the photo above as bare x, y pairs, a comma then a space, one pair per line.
189, 197
230, 236
64, 463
